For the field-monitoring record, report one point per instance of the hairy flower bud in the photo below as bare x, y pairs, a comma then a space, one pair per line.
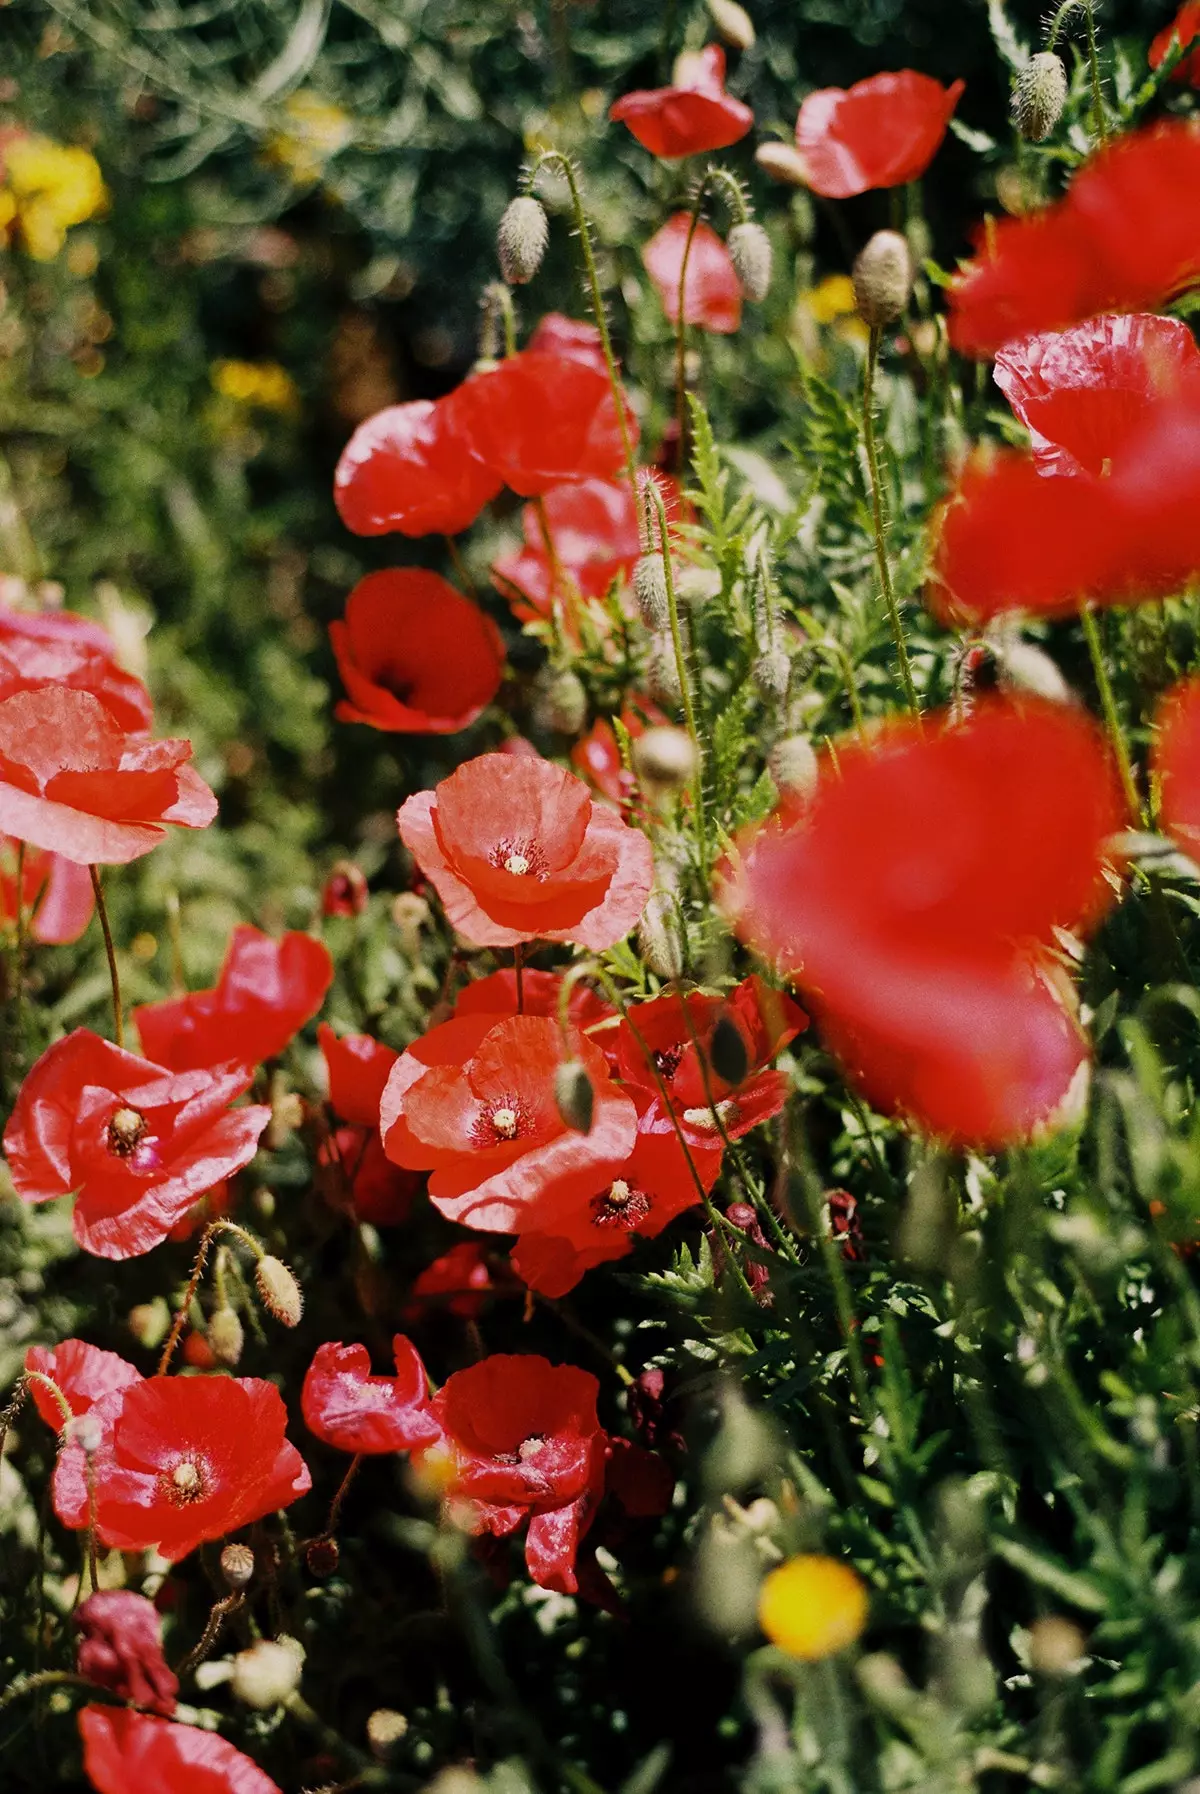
267, 1673
559, 701
783, 163
750, 252
883, 277
1039, 96
663, 672
650, 590
772, 671
664, 759
733, 23
521, 239
793, 765
237, 1565
574, 1097
225, 1336
659, 936
278, 1291
727, 1051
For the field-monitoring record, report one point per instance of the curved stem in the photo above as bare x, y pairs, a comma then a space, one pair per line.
206, 1240
681, 668
343, 1489
48, 1383
881, 558
110, 950
218, 1614
1112, 721
681, 413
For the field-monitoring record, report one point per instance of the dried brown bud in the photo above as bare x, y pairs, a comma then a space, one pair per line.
750, 252
783, 163
883, 277
574, 1096
278, 1291
322, 1557
521, 239
237, 1565
1039, 96
225, 1336
664, 758
650, 590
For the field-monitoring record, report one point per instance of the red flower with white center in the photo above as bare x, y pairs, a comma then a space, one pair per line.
1184, 29
72, 781
497, 995
410, 469
348, 1408
137, 1143
540, 420
712, 292
266, 992
120, 1647
879, 133
94, 1382
917, 900
1082, 392
1125, 238
133, 1753
693, 116
415, 656
195, 1458
56, 894
1176, 764
521, 1441
517, 851
59, 648
472, 1102
556, 334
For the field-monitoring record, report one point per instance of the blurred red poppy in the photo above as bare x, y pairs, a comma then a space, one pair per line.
713, 293
1081, 392
411, 470
521, 1441
1176, 764
415, 656
56, 894
541, 419
497, 995
517, 851
556, 334
348, 1408
94, 1382
120, 1647
879, 133
72, 781
135, 1142
345, 892
1125, 238
693, 116
460, 1281
917, 898
60, 648
266, 992
593, 526
195, 1458
134, 1753
1184, 27
473, 1102
357, 1067
378, 1191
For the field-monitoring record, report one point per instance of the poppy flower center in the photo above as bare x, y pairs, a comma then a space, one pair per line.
184, 1482
706, 1121
529, 1448
501, 1122
621, 1206
126, 1131
524, 859
505, 1123
667, 1061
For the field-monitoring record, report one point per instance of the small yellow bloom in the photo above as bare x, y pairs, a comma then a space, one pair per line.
812, 1607
316, 130
52, 186
263, 384
832, 298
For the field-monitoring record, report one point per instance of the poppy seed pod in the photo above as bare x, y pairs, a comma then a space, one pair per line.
278, 1291
559, 701
650, 590
772, 671
225, 1336
1039, 96
237, 1565
322, 1557
750, 252
727, 1051
521, 239
782, 163
733, 23
664, 758
574, 1097
267, 1673
883, 277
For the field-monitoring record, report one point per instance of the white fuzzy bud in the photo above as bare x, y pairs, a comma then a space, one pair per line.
783, 163
266, 1673
883, 277
772, 672
733, 23
225, 1336
793, 765
1039, 96
750, 252
650, 591
663, 671
521, 239
659, 936
278, 1291
664, 758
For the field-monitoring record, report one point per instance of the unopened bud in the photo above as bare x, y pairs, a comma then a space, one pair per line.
733, 23
663, 671
1023, 666
278, 1291
322, 1558
267, 1673
772, 672
344, 892
883, 277
559, 701
225, 1336
659, 936
650, 590
410, 913
149, 1322
697, 585
727, 1051
574, 1097
385, 1728
1056, 1646
237, 1565
521, 239
664, 758
750, 252
783, 163
793, 765
1039, 96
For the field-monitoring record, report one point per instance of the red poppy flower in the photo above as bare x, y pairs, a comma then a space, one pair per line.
415, 656
517, 851
713, 293
195, 1458
460, 1281
72, 781
917, 899
378, 1191
593, 525
348, 1408
556, 334
1082, 392
94, 1382
879, 133
497, 995
133, 1753
135, 1142
357, 1068
523, 1442
1125, 238
56, 894
411, 469
1176, 762
59, 648
120, 1647
690, 118
473, 1103
1184, 27
539, 420
266, 992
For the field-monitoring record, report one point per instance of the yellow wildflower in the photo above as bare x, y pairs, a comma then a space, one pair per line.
50, 187
832, 298
316, 130
812, 1607
263, 384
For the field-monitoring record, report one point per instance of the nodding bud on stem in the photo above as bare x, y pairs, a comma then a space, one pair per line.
237, 1565
1039, 96
663, 670
727, 1051
574, 1097
883, 277
664, 759
521, 239
772, 671
650, 590
659, 936
793, 765
750, 252
278, 1291
225, 1336
783, 163
559, 701
733, 23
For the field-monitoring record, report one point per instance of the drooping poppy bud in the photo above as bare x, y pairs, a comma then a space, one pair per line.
792, 763
733, 22
750, 252
1039, 96
772, 672
278, 1291
883, 277
574, 1096
225, 1336
267, 1673
650, 591
664, 759
782, 163
521, 239
559, 701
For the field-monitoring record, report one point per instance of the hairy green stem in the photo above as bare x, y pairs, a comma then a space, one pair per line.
198, 1263
714, 180
681, 668
1112, 720
881, 555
